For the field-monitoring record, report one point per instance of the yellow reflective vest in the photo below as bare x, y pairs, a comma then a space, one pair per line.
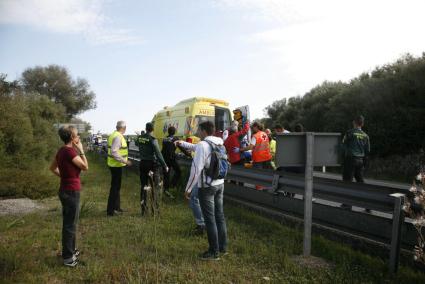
273, 148
123, 151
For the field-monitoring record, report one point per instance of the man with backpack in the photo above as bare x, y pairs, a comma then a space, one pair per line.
209, 167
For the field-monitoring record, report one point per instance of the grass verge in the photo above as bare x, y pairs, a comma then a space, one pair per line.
132, 249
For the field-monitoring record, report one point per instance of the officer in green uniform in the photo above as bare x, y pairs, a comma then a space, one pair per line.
150, 161
356, 149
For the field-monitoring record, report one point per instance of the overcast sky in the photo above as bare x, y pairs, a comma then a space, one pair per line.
140, 56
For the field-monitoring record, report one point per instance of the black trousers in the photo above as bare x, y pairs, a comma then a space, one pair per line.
114, 192
145, 168
70, 211
353, 167
172, 164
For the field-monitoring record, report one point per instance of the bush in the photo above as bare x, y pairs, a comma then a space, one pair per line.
34, 184
395, 167
391, 98
28, 141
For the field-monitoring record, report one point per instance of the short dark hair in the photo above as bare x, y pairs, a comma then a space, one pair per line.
65, 133
149, 127
208, 127
258, 125
278, 126
299, 128
171, 130
359, 120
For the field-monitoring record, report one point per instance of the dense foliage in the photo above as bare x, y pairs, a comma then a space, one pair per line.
391, 97
28, 138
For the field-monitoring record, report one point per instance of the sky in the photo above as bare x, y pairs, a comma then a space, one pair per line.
142, 55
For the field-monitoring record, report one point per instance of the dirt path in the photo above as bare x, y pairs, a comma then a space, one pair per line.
19, 206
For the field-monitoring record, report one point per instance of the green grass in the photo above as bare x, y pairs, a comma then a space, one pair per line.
132, 249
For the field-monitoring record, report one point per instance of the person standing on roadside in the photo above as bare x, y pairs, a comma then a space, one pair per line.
356, 148
150, 158
272, 145
69, 161
194, 197
210, 191
169, 154
117, 159
279, 129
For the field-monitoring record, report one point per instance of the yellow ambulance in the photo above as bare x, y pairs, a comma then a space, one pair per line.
188, 114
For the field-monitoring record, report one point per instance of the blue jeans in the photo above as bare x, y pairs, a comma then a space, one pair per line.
196, 208
211, 200
70, 211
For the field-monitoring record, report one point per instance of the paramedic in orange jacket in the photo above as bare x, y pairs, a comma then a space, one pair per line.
260, 146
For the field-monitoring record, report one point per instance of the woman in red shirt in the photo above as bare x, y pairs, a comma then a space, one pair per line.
67, 164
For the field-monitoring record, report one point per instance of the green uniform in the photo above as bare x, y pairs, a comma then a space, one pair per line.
150, 155
356, 143
356, 149
149, 149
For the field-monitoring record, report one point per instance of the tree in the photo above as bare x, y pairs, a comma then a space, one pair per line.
391, 97
27, 142
56, 83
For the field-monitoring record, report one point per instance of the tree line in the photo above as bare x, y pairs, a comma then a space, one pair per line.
29, 108
391, 98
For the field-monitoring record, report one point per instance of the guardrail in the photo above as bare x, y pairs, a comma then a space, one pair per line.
386, 224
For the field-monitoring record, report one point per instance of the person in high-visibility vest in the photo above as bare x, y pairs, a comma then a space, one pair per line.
260, 146
272, 144
117, 159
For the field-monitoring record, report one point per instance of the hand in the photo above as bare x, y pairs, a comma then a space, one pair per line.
166, 169
128, 163
236, 150
187, 195
178, 142
78, 146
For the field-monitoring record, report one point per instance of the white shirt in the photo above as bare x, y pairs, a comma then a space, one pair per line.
253, 141
200, 161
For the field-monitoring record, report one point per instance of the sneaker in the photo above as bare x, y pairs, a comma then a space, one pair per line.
168, 194
72, 262
119, 210
224, 252
209, 256
76, 252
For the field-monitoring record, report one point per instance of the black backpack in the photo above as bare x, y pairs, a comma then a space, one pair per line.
219, 166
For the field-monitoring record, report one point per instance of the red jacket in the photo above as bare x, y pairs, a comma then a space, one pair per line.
233, 142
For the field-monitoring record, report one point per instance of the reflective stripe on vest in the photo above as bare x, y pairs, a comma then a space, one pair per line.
123, 150
261, 151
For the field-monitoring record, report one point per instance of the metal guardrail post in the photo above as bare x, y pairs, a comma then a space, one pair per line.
398, 219
308, 195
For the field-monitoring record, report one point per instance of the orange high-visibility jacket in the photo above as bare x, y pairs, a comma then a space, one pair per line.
261, 151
